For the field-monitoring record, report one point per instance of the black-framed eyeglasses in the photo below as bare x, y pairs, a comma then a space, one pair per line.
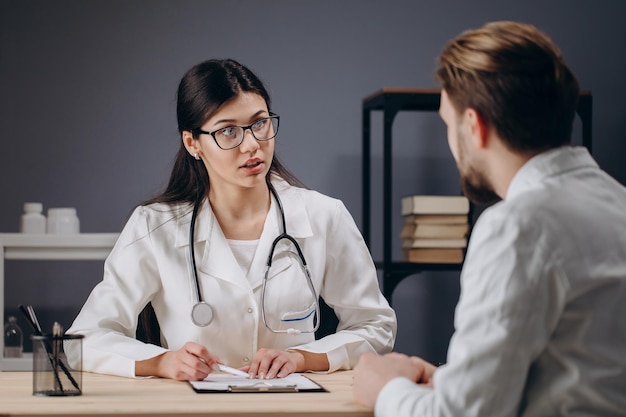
232, 136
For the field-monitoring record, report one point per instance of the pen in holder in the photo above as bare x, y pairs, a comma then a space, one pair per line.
52, 373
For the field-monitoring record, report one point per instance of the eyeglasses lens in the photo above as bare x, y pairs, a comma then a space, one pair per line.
262, 129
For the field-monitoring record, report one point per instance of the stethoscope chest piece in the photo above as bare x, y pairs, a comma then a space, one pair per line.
202, 314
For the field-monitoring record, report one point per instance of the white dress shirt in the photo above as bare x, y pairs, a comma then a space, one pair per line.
541, 320
151, 262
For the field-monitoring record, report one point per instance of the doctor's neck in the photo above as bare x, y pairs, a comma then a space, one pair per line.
240, 211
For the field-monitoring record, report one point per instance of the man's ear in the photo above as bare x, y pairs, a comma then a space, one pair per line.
478, 128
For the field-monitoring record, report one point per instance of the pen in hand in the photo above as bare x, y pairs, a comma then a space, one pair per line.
230, 370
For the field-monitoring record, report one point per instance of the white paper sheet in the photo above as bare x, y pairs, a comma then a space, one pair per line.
223, 382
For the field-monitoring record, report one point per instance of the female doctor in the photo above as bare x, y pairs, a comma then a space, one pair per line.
233, 256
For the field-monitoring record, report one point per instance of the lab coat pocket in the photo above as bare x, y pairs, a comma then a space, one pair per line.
302, 320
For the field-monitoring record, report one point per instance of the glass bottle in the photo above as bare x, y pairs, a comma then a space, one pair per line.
13, 339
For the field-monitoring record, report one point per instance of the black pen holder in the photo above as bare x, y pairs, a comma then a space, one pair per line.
57, 365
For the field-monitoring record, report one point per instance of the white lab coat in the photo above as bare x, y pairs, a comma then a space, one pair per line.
151, 263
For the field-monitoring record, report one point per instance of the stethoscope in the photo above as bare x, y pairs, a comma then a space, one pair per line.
202, 313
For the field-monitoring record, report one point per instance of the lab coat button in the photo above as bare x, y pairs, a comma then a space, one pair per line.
250, 310
246, 359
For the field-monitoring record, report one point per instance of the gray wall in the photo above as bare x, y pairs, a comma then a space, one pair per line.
87, 111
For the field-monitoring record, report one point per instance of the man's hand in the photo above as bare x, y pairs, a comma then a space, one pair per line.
372, 372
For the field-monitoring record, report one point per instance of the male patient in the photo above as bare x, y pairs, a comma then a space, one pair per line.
541, 320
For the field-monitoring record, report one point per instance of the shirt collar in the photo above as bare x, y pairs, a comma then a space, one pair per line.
294, 206
548, 164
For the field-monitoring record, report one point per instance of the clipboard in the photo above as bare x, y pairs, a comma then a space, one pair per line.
222, 383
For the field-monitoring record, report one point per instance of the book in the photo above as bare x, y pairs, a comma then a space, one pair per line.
434, 204
434, 243
437, 218
433, 255
438, 231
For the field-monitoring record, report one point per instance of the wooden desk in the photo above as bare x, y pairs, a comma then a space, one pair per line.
105, 395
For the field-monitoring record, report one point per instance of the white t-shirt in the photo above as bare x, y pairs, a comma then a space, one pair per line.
243, 250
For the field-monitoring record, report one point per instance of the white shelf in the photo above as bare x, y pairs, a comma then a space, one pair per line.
88, 246
25, 363
18, 246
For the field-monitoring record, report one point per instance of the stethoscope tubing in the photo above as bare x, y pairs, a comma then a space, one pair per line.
192, 230
202, 312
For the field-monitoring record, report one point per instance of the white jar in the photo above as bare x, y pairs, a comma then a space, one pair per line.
63, 221
33, 221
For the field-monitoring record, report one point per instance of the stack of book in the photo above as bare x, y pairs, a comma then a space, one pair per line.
435, 229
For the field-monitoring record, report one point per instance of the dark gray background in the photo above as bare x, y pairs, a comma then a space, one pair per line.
87, 111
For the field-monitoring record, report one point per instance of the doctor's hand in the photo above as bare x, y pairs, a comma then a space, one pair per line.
273, 363
192, 362
372, 372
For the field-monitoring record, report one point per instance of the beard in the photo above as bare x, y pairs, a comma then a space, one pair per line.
474, 182
477, 189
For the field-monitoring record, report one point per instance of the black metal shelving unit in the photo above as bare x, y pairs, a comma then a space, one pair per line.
391, 101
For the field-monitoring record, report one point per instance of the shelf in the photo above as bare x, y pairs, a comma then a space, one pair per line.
95, 246
25, 363
390, 101
19, 246
411, 267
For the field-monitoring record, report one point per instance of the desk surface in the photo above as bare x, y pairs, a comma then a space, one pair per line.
105, 395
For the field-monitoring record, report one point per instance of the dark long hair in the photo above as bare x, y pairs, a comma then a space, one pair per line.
202, 91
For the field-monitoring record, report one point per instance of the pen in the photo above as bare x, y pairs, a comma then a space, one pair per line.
230, 370
32, 320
